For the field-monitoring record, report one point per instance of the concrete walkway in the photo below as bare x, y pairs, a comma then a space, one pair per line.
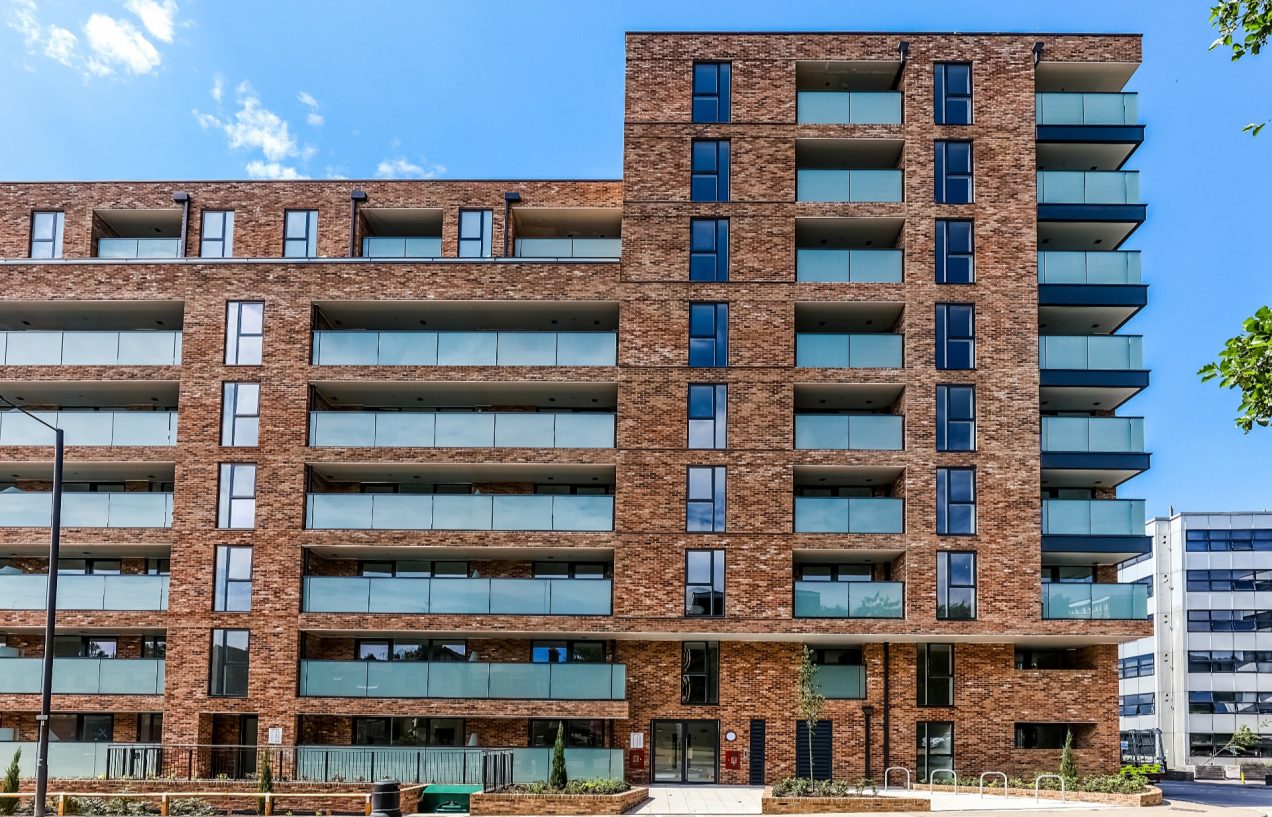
701, 800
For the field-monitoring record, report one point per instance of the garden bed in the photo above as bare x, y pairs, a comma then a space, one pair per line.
514, 801
799, 796
1150, 796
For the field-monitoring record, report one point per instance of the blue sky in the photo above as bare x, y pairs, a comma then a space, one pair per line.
157, 89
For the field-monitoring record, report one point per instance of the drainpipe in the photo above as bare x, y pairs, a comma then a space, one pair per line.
183, 199
1037, 52
866, 712
510, 198
354, 197
903, 48
887, 721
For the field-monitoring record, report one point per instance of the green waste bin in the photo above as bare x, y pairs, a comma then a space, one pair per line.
445, 799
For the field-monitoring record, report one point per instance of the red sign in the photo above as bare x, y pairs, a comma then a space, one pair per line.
637, 757
732, 759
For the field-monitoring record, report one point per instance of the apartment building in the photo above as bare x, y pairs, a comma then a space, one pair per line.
397, 471
1206, 670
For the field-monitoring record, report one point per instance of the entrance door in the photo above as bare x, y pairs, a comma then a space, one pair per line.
686, 751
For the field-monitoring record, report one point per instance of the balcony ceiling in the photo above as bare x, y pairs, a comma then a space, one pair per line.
847, 316
469, 394
546, 316
461, 472
1083, 235
559, 222
1082, 76
845, 75
75, 471
1077, 398
860, 396
1084, 155
1083, 320
482, 553
402, 221
164, 223
96, 393
848, 153
1086, 477
111, 550
815, 476
90, 315
877, 233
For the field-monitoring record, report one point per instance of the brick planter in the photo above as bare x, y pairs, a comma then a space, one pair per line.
483, 804
1151, 796
839, 805
340, 798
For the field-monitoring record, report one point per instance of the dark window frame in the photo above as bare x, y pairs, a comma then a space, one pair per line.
484, 238
234, 334
950, 347
923, 738
709, 674
944, 96
715, 421
926, 676
947, 417
719, 95
944, 585
945, 501
218, 679
309, 239
228, 498
951, 248
231, 416
223, 241
709, 249
718, 501
950, 184
716, 595
709, 175
714, 345
55, 241
223, 582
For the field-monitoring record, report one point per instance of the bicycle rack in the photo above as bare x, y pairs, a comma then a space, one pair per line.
1043, 777
994, 774
896, 769
932, 779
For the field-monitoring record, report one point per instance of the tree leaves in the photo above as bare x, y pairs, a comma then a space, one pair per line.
1245, 363
1253, 17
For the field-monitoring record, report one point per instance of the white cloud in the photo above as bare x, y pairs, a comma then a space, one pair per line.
307, 99
256, 169
118, 43
402, 168
313, 118
218, 88
59, 45
254, 127
158, 17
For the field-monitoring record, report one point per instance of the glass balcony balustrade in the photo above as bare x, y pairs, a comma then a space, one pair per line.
26, 591
1053, 108
848, 108
847, 351
1093, 517
568, 247
134, 509
848, 185
849, 432
525, 597
854, 266
463, 679
133, 348
1124, 602
849, 599
838, 514
460, 512
138, 248
1088, 187
106, 428
373, 348
1115, 267
402, 247
84, 676
838, 681
1091, 352
391, 429
1093, 434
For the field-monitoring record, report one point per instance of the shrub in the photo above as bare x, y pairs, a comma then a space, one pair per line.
557, 777
1068, 763
10, 784
804, 787
1142, 770
190, 807
599, 785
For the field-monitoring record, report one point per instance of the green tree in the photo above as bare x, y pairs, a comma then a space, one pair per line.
1241, 740
10, 784
1245, 363
264, 780
810, 700
557, 778
1244, 26
1068, 762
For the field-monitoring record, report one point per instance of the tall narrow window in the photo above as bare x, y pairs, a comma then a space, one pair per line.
704, 583
953, 172
240, 414
700, 672
704, 499
711, 91
709, 335
244, 332
46, 234
955, 336
475, 227
709, 249
216, 238
955, 585
300, 234
232, 579
236, 503
954, 252
708, 415
710, 170
935, 748
228, 676
956, 501
935, 668
953, 93
956, 418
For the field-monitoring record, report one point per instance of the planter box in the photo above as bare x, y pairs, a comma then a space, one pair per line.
1151, 796
839, 805
484, 804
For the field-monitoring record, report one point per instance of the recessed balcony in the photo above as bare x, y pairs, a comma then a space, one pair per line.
95, 495
1094, 602
848, 170
401, 232
137, 234
835, 499
90, 333
458, 596
849, 599
463, 680
101, 413
84, 676
27, 591
564, 233
842, 92
856, 335
848, 250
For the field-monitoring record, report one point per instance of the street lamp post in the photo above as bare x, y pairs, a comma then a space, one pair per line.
50, 616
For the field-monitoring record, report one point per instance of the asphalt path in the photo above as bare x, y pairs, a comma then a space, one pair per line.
1218, 794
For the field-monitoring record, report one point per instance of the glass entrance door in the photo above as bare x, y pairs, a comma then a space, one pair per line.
686, 751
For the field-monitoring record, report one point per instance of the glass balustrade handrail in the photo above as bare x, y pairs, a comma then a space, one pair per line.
849, 432
426, 429
848, 107
463, 679
365, 594
832, 514
401, 247
1091, 352
90, 348
849, 599
370, 347
1091, 601
84, 676
26, 591
90, 427
1068, 267
460, 512
1093, 434
881, 350
568, 247
1090, 108
138, 247
839, 681
823, 265
872, 185
1093, 517
126, 509
1088, 187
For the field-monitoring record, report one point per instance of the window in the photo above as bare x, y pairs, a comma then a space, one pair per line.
708, 249
1230, 581
150, 727
236, 503
700, 672
955, 253
935, 747
704, 583
709, 335
158, 567
1044, 735
229, 664
1047, 658
244, 331
89, 567
91, 728
410, 649
578, 733
708, 415
232, 580
382, 731
709, 180
567, 652
1143, 704
413, 569
1219, 541
300, 234
1208, 745
935, 681
955, 418
956, 501
216, 238
475, 228
1229, 621
240, 414
1241, 702
955, 336
836, 573
711, 87
955, 585
46, 234
953, 93
76, 646
953, 172
154, 646
1229, 661
704, 499
570, 570
1068, 574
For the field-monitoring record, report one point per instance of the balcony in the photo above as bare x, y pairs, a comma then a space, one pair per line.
460, 679
124, 234
847, 351
1093, 530
1081, 209
104, 428
1101, 109
26, 591
1104, 269
131, 509
841, 681
1092, 452
848, 250
1087, 130
563, 233
520, 597
1109, 366
848, 108
404, 429
351, 348
563, 248
1093, 187
84, 676
848, 170
849, 600
857, 514
402, 247
1095, 602
849, 432
520, 512
136, 348
338, 763
1088, 292
400, 232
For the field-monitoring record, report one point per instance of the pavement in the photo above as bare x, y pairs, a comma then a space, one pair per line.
1229, 795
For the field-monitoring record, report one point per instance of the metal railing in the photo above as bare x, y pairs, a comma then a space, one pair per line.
891, 769
1038, 782
932, 778
496, 770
